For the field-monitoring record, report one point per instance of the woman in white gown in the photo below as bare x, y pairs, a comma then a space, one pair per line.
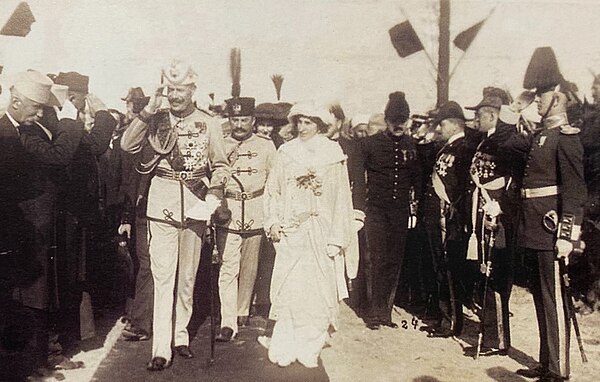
308, 215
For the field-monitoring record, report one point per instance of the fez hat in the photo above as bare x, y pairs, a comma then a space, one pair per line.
239, 106
397, 109
275, 113
492, 97
310, 110
74, 81
449, 110
37, 87
179, 73
542, 72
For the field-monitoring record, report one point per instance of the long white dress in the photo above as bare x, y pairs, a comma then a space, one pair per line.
308, 194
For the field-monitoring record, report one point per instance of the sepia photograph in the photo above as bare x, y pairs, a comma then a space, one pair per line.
318, 190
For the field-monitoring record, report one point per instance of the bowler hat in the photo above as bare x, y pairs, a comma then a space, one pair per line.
449, 110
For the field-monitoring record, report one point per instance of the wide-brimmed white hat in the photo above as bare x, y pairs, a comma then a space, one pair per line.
37, 87
311, 109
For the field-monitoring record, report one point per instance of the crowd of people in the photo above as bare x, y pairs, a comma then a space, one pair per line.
304, 207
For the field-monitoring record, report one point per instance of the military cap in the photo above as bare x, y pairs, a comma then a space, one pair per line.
74, 81
542, 72
492, 97
239, 106
179, 73
36, 87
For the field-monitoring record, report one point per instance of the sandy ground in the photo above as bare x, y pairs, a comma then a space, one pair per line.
359, 354
355, 353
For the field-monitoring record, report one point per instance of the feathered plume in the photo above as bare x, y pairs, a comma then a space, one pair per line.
212, 98
235, 66
277, 81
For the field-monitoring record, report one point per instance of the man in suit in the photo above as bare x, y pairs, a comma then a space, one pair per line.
31, 154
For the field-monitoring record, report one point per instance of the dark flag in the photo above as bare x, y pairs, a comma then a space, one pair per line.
405, 39
19, 23
464, 39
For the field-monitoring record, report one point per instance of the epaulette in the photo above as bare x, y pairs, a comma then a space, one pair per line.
569, 130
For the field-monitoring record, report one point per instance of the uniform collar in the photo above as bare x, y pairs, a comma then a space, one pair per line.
456, 137
12, 120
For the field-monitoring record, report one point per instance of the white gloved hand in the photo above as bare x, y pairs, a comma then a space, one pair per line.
333, 250
563, 249
204, 209
125, 228
359, 220
68, 111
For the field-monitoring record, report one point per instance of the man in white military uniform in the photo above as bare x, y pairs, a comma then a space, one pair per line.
182, 148
250, 157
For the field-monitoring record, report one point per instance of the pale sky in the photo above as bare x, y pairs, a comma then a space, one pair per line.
327, 49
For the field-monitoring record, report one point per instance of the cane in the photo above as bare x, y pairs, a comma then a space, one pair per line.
214, 261
488, 270
562, 266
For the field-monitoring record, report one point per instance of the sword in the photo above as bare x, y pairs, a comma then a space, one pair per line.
566, 283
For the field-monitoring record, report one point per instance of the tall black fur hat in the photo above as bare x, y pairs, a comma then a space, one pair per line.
542, 72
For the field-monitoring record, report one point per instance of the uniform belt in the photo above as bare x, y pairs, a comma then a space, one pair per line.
179, 175
239, 195
540, 192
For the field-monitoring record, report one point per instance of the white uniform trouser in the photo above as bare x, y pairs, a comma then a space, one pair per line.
174, 255
237, 276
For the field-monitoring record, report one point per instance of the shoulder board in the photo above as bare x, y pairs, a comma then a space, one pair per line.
569, 130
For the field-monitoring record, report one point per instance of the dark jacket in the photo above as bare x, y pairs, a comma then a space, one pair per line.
392, 168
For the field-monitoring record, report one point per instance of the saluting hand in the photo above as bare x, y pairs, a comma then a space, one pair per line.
155, 100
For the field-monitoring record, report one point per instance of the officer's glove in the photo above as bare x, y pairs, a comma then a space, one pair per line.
155, 100
125, 229
492, 209
333, 250
68, 111
203, 209
275, 233
563, 249
95, 104
359, 220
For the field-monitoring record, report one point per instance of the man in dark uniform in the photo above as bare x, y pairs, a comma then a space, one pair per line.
31, 153
389, 159
449, 180
496, 179
553, 196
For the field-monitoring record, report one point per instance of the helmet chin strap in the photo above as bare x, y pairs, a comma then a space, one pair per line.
552, 102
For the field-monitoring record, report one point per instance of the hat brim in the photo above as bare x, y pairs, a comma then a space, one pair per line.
58, 95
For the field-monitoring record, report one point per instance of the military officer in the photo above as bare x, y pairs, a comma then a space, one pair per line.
182, 147
496, 178
389, 161
250, 157
449, 180
553, 196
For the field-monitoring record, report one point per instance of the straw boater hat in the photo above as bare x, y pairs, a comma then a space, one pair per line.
38, 88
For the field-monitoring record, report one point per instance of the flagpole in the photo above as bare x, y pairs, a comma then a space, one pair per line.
443, 77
